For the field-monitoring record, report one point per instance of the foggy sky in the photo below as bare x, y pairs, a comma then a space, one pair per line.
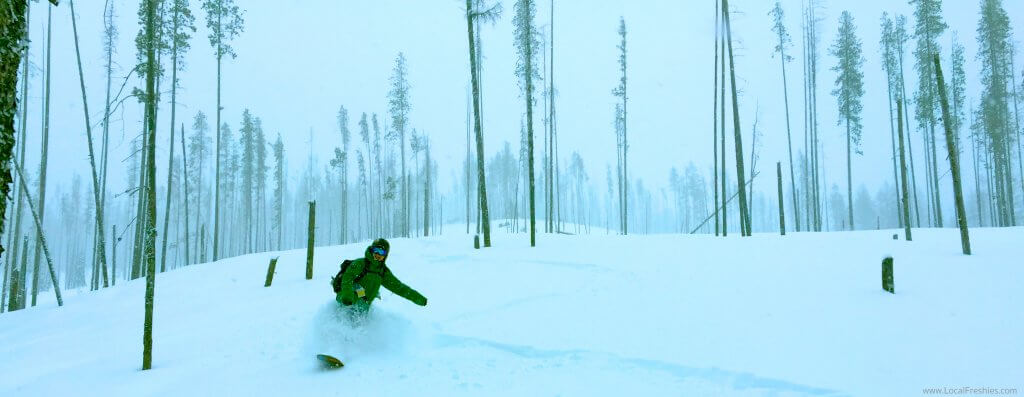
297, 63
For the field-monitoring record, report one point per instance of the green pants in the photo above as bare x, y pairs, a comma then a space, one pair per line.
356, 311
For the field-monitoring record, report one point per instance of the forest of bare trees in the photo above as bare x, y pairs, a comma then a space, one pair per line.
230, 189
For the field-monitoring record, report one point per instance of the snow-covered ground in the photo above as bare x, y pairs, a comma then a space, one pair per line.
579, 315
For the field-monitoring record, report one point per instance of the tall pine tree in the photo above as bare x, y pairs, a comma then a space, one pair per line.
399, 106
621, 92
889, 64
224, 20
994, 41
179, 31
527, 43
473, 15
738, 137
848, 92
784, 43
340, 162
279, 190
150, 240
929, 27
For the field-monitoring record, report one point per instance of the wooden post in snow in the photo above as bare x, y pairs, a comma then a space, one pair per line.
309, 245
270, 272
782, 208
887, 279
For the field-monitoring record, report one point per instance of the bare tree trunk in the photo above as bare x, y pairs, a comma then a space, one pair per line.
549, 166
618, 175
714, 115
528, 43
548, 89
954, 160
8, 82
167, 201
147, 333
992, 210
203, 244
935, 176
929, 191
558, 174
977, 179
744, 211
113, 255
753, 162
105, 150
782, 205
903, 171
818, 165
555, 202
478, 99
895, 169
42, 241
469, 197
721, 115
344, 200
426, 193
1016, 118
46, 145
310, 241
625, 161
17, 291
806, 91
216, 187
849, 177
101, 246
910, 146
170, 151
140, 213
485, 221
789, 136
184, 182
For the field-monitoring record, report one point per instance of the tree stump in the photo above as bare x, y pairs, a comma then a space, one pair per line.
887, 281
270, 272
310, 243
476, 241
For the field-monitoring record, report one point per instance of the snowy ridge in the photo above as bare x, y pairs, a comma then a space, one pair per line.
578, 315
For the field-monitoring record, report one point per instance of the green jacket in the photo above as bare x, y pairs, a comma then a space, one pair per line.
377, 275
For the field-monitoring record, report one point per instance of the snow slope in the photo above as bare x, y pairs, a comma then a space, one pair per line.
579, 315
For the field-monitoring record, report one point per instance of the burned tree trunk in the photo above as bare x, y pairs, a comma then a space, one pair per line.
954, 160
903, 171
782, 206
310, 241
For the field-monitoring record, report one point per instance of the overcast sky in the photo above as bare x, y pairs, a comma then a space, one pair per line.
297, 63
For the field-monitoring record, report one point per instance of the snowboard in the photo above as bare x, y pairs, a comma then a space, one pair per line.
330, 361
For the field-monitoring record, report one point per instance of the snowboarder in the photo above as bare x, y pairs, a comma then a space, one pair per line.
361, 280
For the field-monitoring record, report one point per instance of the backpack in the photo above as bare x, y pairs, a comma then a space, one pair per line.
336, 280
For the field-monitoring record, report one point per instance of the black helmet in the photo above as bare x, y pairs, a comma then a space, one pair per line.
382, 243
379, 245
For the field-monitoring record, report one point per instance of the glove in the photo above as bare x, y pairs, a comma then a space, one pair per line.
348, 298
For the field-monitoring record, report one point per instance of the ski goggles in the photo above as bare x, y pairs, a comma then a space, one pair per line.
379, 251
